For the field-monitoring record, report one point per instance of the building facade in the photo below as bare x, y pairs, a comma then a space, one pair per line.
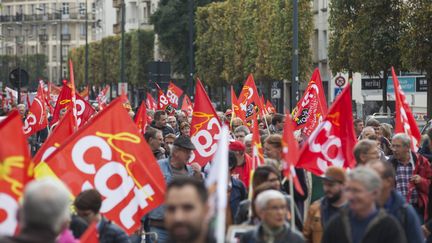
49, 27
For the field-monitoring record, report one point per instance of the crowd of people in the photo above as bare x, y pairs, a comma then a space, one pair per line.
386, 198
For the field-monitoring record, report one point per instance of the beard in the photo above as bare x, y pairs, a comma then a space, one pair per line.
192, 233
335, 197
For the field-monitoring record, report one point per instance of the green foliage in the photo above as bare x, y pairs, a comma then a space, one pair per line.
104, 58
35, 65
238, 37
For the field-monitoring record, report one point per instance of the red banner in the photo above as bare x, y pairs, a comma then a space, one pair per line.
235, 107
270, 108
249, 101
173, 94
14, 174
102, 97
187, 105
36, 119
110, 155
312, 107
404, 119
151, 103
205, 127
332, 142
163, 102
257, 150
141, 118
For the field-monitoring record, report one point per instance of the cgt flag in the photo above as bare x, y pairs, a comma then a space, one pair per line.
102, 98
332, 142
236, 111
141, 118
312, 107
36, 119
187, 105
110, 155
173, 94
151, 103
205, 127
249, 101
14, 170
163, 102
404, 119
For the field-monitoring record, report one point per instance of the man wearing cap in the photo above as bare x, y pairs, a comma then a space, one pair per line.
322, 210
175, 166
244, 162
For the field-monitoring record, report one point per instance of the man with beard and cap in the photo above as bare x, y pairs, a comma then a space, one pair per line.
322, 210
186, 211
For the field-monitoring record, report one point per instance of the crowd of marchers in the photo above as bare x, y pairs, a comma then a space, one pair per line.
385, 198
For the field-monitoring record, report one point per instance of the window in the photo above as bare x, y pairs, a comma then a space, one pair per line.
32, 9
65, 29
54, 8
82, 8
9, 10
93, 7
54, 53
82, 29
315, 55
20, 9
65, 8
43, 8
325, 45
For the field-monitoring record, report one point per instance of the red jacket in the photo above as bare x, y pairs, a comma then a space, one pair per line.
243, 172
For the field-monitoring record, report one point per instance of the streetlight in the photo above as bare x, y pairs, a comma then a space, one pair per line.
86, 46
122, 61
295, 60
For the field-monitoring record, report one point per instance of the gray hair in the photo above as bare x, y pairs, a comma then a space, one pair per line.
362, 147
264, 197
46, 203
368, 128
242, 128
248, 138
368, 177
405, 139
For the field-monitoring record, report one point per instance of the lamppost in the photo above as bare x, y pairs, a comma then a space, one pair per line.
86, 46
295, 61
122, 58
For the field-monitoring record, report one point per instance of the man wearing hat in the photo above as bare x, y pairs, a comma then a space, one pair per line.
174, 166
322, 210
244, 162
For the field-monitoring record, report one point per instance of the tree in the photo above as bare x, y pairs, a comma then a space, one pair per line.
416, 41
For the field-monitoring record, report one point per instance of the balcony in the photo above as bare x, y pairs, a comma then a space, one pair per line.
44, 17
43, 38
117, 28
66, 37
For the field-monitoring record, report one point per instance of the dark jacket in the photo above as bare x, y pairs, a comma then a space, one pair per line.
165, 130
237, 195
257, 236
406, 215
111, 233
424, 170
382, 229
31, 235
425, 150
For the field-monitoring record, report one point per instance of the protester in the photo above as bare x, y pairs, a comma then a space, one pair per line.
44, 212
22, 111
375, 124
363, 221
426, 148
271, 208
154, 139
367, 131
244, 162
172, 167
186, 211
61, 115
366, 150
240, 133
181, 117
413, 173
237, 191
88, 204
358, 127
185, 129
172, 122
236, 122
385, 131
277, 123
395, 204
321, 211
168, 143
160, 122
248, 144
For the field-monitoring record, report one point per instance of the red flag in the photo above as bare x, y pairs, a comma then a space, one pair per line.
73, 99
257, 150
235, 107
102, 97
404, 119
173, 94
141, 118
36, 119
84, 109
85, 93
151, 103
163, 102
110, 155
91, 235
332, 142
249, 100
187, 105
14, 173
290, 154
312, 107
61, 132
270, 108
205, 127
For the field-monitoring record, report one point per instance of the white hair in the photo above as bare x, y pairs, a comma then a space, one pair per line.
46, 203
368, 177
264, 197
404, 138
248, 138
371, 129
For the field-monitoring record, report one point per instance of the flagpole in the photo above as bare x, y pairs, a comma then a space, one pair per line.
291, 188
265, 120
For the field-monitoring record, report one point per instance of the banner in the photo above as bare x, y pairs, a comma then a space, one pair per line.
205, 127
14, 173
187, 105
332, 142
163, 102
312, 107
109, 154
102, 98
235, 107
36, 118
173, 94
249, 101
141, 118
150, 102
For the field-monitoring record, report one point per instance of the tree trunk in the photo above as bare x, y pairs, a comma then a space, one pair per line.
384, 91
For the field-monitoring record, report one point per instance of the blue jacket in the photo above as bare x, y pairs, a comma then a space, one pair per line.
238, 194
164, 164
406, 215
111, 233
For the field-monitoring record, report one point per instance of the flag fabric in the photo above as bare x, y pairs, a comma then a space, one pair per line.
141, 118
312, 107
404, 119
270, 107
36, 118
110, 155
102, 98
11, 96
150, 102
205, 127
217, 184
14, 170
257, 150
187, 105
91, 235
235, 108
85, 93
73, 94
173, 94
290, 154
84, 109
163, 102
332, 142
249, 101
